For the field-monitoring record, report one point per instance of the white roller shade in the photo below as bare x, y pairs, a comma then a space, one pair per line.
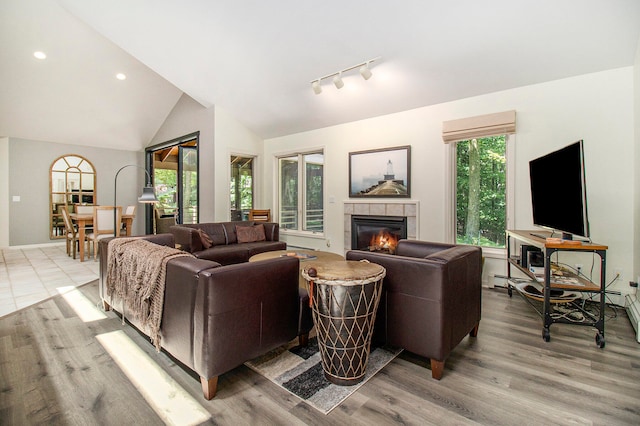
499, 123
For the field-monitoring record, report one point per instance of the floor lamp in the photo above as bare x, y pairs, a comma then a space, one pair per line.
148, 194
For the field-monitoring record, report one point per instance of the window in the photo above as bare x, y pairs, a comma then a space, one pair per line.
481, 191
241, 188
301, 192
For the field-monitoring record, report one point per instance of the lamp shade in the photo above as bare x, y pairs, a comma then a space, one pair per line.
148, 195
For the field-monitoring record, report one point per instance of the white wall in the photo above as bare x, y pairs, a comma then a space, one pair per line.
187, 117
220, 136
595, 107
28, 177
233, 138
636, 205
4, 192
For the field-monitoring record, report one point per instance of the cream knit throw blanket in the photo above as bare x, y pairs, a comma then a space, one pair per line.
136, 270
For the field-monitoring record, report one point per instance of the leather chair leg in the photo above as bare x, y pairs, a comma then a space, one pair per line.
303, 340
437, 367
474, 330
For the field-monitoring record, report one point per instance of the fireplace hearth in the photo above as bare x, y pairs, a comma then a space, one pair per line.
377, 233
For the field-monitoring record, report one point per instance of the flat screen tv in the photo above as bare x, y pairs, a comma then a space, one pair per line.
559, 193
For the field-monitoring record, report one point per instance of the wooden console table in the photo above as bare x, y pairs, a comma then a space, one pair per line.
580, 283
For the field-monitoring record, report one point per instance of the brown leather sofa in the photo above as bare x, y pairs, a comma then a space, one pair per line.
217, 317
225, 249
431, 297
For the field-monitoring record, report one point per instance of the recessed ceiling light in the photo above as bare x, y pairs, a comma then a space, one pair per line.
40, 55
121, 76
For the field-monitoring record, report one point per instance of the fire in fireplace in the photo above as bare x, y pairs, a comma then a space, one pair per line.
385, 242
377, 233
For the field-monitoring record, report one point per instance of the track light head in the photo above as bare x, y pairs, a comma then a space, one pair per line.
317, 89
337, 80
365, 72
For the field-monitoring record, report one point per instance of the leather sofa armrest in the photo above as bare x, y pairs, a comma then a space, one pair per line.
103, 253
403, 273
187, 237
415, 248
243, 310
458, 269
272, 231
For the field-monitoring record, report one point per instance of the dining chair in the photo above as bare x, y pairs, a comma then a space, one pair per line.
257, 215
128, 211
102, 226
71, 233
85, 209
163, 220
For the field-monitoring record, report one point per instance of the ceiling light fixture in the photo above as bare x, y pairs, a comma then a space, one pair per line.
365, 72
121, 76
337, 80
40, 55
315, 85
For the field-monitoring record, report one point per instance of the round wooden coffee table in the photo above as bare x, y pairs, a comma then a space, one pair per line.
344, 301
303, 255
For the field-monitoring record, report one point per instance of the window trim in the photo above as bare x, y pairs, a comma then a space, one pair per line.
301, 209
450, 194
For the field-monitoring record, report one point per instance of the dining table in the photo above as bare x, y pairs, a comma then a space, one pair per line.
82, 220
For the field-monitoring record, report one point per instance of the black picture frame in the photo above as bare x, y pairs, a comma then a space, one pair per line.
380, 173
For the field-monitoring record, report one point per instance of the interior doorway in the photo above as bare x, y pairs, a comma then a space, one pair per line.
241, 194
174, 166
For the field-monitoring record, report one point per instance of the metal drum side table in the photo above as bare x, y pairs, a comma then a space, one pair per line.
344, 297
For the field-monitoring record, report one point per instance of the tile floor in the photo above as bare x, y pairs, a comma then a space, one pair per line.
29, 275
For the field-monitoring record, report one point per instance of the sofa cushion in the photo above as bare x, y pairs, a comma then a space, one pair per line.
264, 246
225, 254
205, 239
250, 234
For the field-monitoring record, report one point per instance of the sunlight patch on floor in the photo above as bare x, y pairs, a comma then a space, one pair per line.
84, 308
172, 403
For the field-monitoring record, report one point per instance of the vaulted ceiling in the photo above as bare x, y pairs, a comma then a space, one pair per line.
256, 59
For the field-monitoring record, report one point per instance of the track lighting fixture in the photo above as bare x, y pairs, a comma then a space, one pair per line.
337, 80
317, 89
365, 72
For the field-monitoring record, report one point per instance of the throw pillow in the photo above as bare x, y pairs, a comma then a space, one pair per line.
205, 239
250, 234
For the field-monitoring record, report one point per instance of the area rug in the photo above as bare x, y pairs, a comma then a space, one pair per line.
299, 371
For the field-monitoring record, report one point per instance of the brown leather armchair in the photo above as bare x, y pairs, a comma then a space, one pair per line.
431, 297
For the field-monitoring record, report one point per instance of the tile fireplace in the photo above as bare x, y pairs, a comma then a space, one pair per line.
406, 210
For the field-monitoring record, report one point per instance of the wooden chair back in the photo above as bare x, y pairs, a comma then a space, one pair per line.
68, 223
84, 209
260, 215
130, 210
71, 234
103, 219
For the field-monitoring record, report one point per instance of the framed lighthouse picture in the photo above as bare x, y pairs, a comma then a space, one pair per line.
383, 173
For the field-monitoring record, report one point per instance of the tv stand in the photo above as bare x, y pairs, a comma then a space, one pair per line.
543, 237
579, 284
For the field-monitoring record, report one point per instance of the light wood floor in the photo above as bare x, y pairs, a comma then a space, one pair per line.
53, 371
